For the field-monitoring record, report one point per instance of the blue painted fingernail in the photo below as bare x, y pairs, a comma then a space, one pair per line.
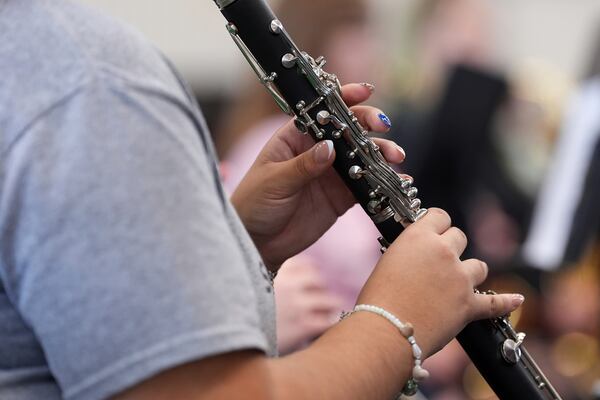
385, 119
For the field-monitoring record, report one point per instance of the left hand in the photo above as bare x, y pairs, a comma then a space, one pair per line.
291, 196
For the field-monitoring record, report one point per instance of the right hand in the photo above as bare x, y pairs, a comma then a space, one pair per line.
422, 280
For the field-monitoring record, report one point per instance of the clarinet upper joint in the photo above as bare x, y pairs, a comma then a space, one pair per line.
265, 78
391, 192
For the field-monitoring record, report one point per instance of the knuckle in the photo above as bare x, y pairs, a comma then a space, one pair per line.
413, 233
446, 252
301, 166
438, 212
461, 234
468, 308
484, 269
465, 275
494, 306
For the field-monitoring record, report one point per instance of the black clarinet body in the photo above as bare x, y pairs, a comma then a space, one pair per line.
305, 91
263, 44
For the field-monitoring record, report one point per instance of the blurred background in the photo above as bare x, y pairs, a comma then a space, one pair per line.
497, 104
190, 32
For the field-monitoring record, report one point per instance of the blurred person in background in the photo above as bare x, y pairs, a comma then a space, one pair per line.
314, 287
558, 234
441, 35
459, 119
448, 97
438, 35
563, 241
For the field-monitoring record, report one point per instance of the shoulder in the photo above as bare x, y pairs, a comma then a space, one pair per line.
50, 50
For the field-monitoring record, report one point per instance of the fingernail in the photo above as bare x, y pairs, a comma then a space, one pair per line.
401, 150
385, 119
323, 151
368, 86
517, 300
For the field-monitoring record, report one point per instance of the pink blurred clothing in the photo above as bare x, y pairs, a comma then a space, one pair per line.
346, 253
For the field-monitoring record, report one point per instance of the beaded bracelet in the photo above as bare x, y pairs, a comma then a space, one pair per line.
406, 329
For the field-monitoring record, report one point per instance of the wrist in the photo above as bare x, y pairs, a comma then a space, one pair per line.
407, 331
362, 356
424, 335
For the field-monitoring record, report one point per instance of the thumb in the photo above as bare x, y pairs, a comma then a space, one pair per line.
309, 165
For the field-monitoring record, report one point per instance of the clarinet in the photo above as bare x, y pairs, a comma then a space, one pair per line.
304, 90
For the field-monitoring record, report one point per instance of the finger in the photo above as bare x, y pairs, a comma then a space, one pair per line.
436, 220
456, 239
372, 119
322, 303
318, 324
299, 282
302, 169
391, 151
497, 305
477, 270
356, 93
311, 282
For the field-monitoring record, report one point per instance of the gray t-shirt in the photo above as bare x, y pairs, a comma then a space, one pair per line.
120, 255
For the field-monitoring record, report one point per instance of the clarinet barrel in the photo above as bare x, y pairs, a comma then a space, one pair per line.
305, 91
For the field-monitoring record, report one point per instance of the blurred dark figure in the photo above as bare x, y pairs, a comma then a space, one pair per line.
567, 213
449, 141
586, 222
564, 234
452, 128
585, 231
453, 161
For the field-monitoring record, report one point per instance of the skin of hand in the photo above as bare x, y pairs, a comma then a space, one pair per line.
287, 200
291, 196
305, 307
419, 279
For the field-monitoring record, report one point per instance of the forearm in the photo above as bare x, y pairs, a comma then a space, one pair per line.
363, 356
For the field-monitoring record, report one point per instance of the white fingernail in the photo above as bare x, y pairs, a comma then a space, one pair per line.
368, 86
323, 151
329, 148
517, 300
401, 150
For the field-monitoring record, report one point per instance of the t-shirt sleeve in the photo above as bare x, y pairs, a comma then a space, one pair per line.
120, 257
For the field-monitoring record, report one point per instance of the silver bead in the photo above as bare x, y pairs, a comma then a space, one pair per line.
410, 389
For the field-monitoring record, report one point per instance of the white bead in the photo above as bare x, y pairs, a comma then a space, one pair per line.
407, 330
417, 353
420, 373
